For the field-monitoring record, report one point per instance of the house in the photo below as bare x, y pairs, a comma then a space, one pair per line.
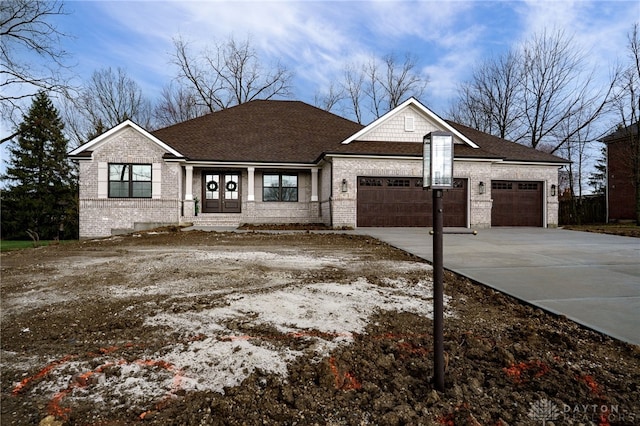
621, 189
288, 162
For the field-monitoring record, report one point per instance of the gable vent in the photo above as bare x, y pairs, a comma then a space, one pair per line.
409, 124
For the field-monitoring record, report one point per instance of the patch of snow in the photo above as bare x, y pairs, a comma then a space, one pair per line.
211, 364
334, 310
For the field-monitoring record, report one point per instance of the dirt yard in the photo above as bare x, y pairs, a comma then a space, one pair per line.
623, 230
195, 328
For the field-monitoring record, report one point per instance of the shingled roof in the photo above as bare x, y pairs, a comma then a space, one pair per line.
491, 147
622, 133
260, 131
296, 132
501, 148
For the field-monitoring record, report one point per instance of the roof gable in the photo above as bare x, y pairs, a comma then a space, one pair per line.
106, 136
408, 122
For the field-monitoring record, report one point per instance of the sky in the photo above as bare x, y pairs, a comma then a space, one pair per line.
316, 39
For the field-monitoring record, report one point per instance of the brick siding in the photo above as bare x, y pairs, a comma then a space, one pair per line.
344, 204
101, 216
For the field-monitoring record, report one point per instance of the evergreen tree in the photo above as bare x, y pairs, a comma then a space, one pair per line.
40, 189
598, 179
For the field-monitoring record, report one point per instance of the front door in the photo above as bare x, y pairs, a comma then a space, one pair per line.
221, 192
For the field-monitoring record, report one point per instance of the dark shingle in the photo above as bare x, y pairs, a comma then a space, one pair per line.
295, 132
490, 147
493, 146
260, 131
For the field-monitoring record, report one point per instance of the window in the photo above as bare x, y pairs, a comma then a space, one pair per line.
129, 180
528, 186
398, 182
501, 185
370, 182
279, 187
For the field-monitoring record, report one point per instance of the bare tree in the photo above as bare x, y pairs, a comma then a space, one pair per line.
29, 37
577, 150
556, 91
113, 97
177, 104
373, 89
353, 87
539, 95
230, 74
470, 108
328, 100
379, 87
490, 100
192, 74
399, 81
109, 98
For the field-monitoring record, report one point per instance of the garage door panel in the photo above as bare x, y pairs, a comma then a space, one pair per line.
516, 203
402, 201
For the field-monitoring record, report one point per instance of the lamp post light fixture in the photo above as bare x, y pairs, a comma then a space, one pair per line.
437, 166
481, 188
437, 173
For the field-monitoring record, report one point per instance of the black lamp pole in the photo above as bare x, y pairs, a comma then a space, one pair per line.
437, 171
438, 290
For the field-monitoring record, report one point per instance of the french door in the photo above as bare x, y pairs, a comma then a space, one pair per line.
221, 192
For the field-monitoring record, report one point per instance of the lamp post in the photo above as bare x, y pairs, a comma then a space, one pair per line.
438, 175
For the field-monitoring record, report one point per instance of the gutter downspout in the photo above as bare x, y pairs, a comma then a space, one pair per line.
330, 193
606, 184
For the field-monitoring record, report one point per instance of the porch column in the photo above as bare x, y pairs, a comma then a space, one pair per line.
251, 184
188, 193
314, 184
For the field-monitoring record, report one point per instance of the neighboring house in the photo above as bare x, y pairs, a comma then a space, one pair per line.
621, 190
289, 162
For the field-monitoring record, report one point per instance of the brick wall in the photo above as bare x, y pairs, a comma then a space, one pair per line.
105, 217
101, 216
622, 194
344, 204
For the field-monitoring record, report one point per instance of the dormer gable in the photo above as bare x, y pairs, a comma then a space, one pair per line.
408, 122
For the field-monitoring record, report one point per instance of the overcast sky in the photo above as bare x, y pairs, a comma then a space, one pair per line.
316, 39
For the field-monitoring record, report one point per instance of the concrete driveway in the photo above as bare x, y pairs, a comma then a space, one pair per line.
594, 279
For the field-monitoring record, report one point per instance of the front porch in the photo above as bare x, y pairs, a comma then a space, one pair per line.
232, 196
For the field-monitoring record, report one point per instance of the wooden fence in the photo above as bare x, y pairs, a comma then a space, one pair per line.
585, 210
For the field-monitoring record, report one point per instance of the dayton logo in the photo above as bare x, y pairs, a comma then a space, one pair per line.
544, 410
